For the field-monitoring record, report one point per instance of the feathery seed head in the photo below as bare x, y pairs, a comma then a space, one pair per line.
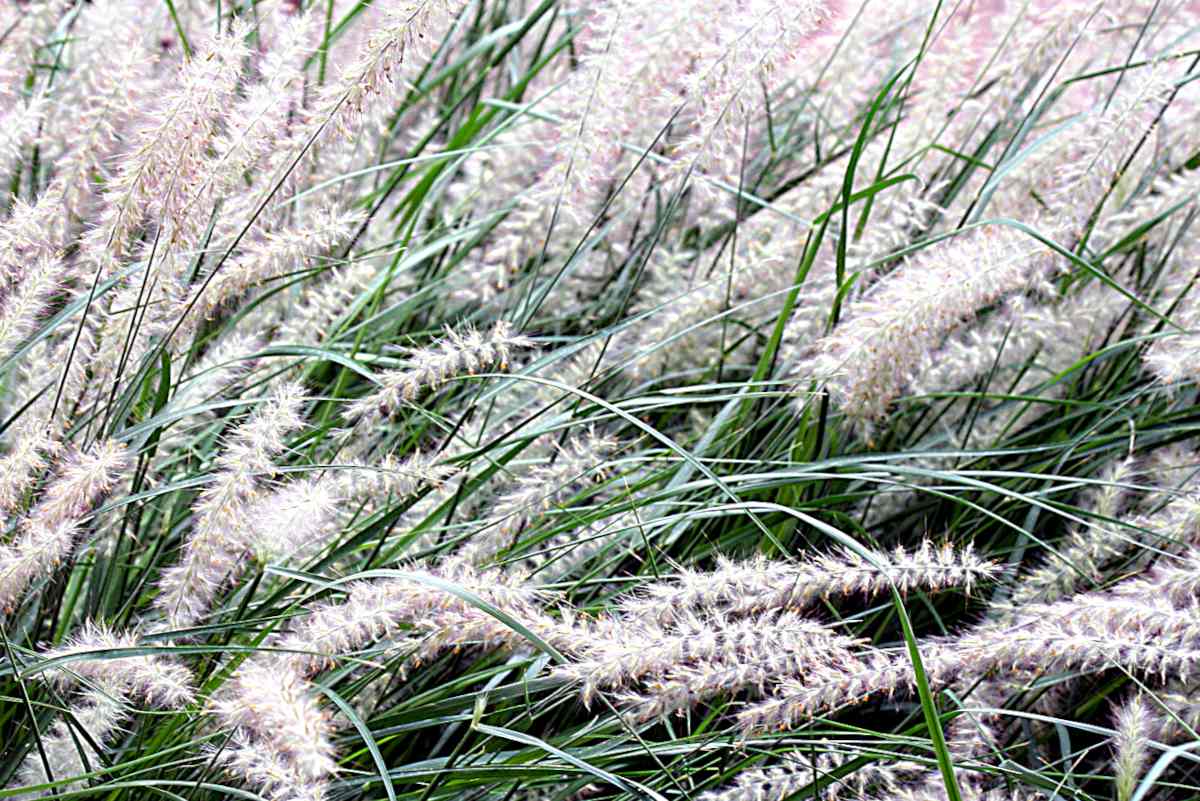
466, 351
152, 678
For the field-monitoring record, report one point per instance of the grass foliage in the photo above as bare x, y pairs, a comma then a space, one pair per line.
666, 402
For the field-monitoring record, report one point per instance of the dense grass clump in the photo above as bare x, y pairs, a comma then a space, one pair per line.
613, 400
